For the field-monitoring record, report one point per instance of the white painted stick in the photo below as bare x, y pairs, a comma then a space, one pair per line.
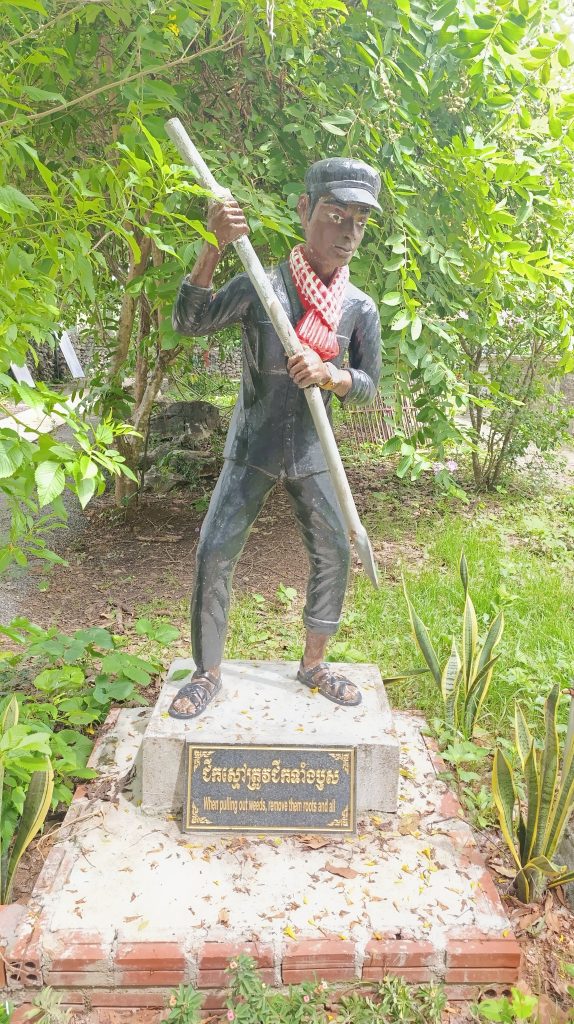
292, 346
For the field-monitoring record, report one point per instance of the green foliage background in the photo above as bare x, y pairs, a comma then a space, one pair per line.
466, 110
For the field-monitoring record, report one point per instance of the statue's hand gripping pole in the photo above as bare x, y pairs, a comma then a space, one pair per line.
291, 344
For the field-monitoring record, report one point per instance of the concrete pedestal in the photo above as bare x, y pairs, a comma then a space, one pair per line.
262, 703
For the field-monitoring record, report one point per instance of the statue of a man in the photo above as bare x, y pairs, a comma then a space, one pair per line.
272, 436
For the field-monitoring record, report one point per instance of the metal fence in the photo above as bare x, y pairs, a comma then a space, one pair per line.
376, 423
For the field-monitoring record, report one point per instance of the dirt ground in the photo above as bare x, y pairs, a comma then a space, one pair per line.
126, 563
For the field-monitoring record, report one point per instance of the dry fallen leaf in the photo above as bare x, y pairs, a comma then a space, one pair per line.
525, 921
553, 920
313, 842
223, 917
502, 869
342, 870
409, 823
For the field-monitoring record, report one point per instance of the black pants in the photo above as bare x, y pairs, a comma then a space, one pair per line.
237, 500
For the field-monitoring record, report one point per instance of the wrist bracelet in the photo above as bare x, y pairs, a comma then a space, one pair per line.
331, 383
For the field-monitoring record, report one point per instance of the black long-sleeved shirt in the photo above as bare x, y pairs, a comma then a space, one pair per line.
271, 427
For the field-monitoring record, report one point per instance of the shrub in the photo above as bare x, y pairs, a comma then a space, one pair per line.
463, 683
21, 749
534, 836
64, 685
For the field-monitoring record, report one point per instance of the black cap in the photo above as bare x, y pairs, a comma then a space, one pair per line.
349, 181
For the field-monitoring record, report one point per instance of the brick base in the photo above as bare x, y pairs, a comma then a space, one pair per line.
104, 973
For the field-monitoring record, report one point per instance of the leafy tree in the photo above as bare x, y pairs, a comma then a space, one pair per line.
465, 112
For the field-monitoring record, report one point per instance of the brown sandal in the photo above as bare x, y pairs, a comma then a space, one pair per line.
335, 688
199, 692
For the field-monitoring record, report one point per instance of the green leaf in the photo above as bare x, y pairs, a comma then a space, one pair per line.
50, 481
155, 146
30, 5
34, 93
449, 685
58, 680
443, 12
416, 328
474, 35
561, 812
548, 774
95, 635
564, 58
534, 794
9, 716
512, 31
11, 456
563, 879
400, 321
162, 632
492, 639
477, 692
36, 807
469, 640
423, 640
463, 570
332, 128
85, 490
524, 739
504, 795
13, 201
391, 298
494, 1009
391, 265
555, 127
544, 865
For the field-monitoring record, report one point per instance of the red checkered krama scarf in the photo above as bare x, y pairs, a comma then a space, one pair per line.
323, 304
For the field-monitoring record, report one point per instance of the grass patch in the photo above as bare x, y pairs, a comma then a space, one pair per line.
514, 563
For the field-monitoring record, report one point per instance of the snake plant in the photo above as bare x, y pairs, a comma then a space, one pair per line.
533, 829
37, 799
464, 682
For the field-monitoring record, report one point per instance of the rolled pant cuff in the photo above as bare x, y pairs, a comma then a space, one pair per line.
322, 626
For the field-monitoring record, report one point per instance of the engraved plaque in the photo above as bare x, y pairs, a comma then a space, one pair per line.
257, 788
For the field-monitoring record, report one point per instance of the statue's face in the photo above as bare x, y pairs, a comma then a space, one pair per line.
334, 230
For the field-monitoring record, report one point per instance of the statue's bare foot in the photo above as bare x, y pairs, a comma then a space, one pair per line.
194, 697
336, 688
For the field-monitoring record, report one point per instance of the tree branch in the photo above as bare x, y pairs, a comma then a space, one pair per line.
128, 307
48, 24
157, 69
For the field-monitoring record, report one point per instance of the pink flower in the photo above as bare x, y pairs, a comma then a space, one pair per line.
233, 965
230, 1015
306, 999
